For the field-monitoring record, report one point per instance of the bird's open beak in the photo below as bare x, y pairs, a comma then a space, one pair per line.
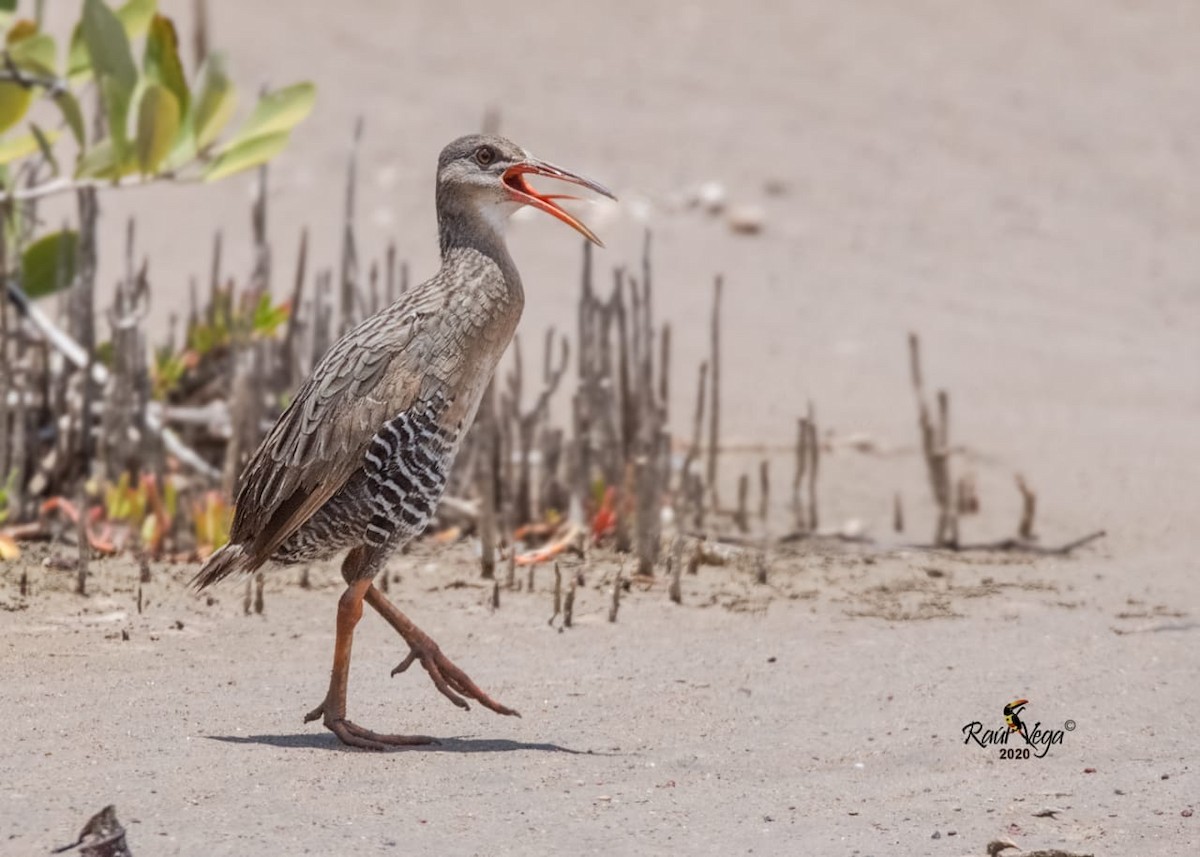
520, 191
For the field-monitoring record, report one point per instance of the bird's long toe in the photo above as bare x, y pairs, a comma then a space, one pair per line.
448, 678
353, 735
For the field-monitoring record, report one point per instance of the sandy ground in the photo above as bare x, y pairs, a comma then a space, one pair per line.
1017, 183
819, 714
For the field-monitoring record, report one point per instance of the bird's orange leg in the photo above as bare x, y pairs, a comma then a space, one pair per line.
333, 709
448, 678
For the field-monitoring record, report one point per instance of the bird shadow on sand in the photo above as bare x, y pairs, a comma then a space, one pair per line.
319, 741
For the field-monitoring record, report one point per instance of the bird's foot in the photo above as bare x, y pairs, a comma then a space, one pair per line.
353, 735
447, 677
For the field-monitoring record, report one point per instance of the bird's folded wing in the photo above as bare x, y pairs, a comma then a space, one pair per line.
321, 439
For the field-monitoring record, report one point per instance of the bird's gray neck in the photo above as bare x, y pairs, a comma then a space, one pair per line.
482, 304
471, 235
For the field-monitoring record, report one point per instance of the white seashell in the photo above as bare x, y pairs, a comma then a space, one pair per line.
747, 219
711, 196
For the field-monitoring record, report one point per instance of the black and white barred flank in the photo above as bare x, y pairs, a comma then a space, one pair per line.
393, 497
337, 525
407, 465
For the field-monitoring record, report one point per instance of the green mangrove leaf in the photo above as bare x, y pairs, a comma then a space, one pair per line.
16, 148
158, 124
45, 142
213, 105
112, 63
14, 104
68, 105
99, 162
108, 44
277, 111
35, 53
41, 274
135, 16
246, 155
161, 61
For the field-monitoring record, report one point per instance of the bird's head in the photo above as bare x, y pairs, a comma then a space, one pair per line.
486, 174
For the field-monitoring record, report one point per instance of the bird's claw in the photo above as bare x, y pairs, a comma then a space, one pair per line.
452, 682
406, 663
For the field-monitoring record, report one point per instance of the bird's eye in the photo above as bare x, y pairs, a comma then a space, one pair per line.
484, 155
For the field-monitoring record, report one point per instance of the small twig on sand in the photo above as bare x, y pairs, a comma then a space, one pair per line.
714, 413
487, 474
741, 518
1016, 546
760, 566
798, 477
616, 598
675, 570
557, 595
569, 604
764, 491
935, 442
1028, 509
81, 569
697, 439
966, 499
813, 446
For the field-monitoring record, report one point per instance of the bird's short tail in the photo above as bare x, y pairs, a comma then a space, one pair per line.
230, 559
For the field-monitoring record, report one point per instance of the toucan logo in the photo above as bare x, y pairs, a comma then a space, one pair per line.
1012, 716
1033, 741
